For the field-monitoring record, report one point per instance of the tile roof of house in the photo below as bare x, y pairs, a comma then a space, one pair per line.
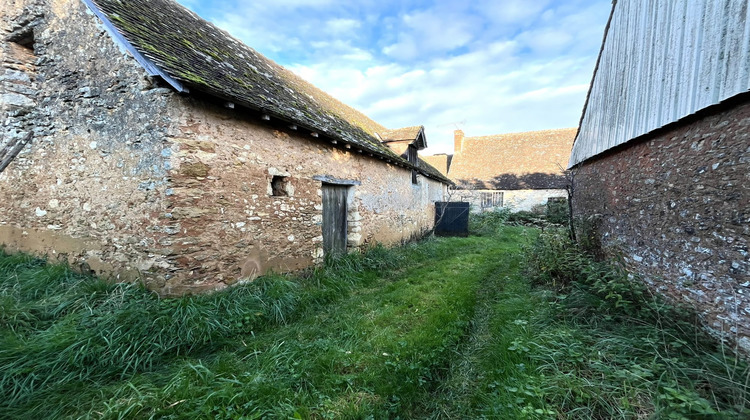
204, 58
405, 133
531, 160
429, 170
439, 162
414, 135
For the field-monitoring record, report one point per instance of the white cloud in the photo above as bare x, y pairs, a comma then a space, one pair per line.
426, 32
488, 66
342, 26
516, 12
484, 95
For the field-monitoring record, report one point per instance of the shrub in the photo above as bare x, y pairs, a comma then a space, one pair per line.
632, 351
554, 260
557, 211
488, 223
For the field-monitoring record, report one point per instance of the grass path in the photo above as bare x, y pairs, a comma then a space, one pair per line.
500, 299
441, 329
373, 336
602, 348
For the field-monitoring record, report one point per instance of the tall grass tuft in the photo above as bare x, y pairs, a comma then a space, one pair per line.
61, 328
634, 353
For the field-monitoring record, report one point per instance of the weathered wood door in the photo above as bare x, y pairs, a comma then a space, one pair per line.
334, 219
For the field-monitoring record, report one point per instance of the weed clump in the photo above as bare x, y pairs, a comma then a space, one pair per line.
633, 353
488, 223
61, 328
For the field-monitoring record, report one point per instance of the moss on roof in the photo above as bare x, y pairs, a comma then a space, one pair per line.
205, 58
431, 172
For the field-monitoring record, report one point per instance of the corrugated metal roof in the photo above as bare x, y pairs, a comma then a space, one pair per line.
660, 62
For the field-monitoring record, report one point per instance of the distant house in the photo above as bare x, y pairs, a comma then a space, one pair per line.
441, 162
516, 171
663, 153
142, 142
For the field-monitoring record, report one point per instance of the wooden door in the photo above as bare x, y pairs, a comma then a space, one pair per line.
334, 219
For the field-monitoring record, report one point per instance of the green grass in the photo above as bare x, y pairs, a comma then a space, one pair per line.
514, 323
367, 335
571, 338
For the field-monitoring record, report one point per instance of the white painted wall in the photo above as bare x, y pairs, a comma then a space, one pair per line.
515, 200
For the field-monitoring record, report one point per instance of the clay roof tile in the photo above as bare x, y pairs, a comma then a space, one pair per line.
530, 160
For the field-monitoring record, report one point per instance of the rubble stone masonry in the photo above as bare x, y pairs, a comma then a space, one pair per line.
126, 178
676, 207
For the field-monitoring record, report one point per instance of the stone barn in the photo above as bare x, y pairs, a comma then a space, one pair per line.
516, 170
662, 159
141, 142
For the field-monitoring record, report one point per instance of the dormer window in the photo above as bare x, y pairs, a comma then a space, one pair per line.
411, 156
406, 142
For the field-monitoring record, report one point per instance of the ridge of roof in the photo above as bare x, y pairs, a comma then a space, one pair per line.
524, 134
204, 58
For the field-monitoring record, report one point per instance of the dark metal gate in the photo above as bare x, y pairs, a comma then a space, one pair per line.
334, 219
451, 218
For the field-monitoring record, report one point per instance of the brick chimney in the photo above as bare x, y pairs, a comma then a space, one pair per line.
458, 140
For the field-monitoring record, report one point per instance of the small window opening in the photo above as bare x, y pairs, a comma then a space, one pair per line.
491, 199
24, 37
279, 186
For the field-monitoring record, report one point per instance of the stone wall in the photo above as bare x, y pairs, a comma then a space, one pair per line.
125, 177
230, 226
514, 200
17, 83
676, 207
90, 185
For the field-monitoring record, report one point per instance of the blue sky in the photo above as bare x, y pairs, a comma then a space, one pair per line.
485, 66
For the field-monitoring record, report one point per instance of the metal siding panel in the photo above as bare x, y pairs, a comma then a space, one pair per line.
641, 64
744, 74
732, 72
646, 109
722, 59
631, 78
624, 96
598, 129
681, 78
694, 55
614, 87
708, 52
668, 89
661, 62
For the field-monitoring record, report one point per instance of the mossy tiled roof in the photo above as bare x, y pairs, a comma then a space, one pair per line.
198, 54
530, 160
